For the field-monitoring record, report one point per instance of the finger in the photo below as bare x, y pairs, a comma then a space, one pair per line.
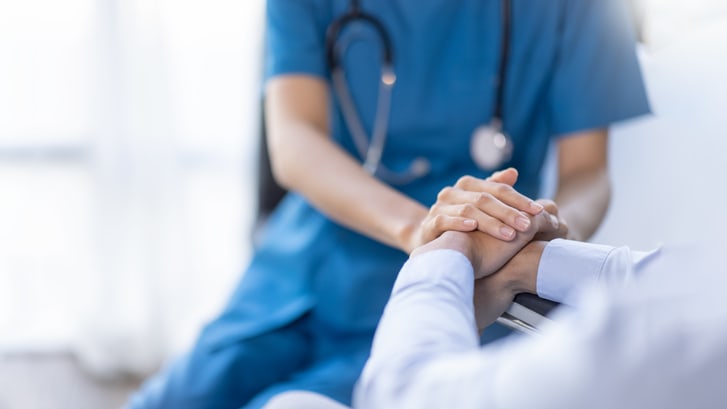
485, 223
503, 192
442, 222
489, 205
549, 206
560, 233
508, 176
546, 223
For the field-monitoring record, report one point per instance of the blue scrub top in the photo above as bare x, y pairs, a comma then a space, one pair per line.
572, 67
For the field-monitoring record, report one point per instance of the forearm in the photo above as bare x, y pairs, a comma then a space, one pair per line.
428, 319
305, 159
337, 185
583, 199
425, 353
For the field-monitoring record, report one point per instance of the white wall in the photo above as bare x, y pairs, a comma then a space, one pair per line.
669, 170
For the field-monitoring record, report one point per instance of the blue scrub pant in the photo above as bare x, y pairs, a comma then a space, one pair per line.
303, 355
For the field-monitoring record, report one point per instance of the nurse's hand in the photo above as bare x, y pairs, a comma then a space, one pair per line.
489, 254
490, 205
486, 253
562, 232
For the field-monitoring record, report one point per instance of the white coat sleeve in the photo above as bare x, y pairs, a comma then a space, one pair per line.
426, 352
567, 265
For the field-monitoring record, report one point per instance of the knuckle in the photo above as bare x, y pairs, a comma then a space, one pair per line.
445, 193
465, 210
549, 206
465, 180
502, 189
484, 198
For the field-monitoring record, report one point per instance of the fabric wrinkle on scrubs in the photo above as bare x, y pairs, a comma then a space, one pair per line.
572, 67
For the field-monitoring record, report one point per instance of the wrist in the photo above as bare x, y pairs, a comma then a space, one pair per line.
525, 268
408, 232
405, 237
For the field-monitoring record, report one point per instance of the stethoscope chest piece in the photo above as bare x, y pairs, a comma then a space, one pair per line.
490, 147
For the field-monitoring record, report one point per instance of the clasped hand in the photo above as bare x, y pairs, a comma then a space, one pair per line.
505, 244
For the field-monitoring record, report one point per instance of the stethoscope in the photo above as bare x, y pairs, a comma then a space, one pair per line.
490, 146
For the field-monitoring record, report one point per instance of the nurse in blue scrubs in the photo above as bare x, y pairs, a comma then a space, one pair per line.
304, 313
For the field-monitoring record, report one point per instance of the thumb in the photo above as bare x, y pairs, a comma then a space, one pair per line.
507, 176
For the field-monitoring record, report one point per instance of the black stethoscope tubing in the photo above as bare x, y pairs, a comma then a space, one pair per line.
372, 153
504, 58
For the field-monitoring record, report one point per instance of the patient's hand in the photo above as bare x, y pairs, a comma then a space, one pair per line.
490, 254
486, 253
502, 269
561, 232
494, 293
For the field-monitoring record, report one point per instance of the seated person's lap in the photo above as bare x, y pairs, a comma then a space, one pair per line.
213, 376
333, 377
247, 373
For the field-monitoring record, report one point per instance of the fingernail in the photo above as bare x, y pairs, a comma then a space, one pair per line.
537, 207
522, 222
470, 223
507, 232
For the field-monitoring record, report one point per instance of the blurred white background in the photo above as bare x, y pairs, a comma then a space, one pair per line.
128, 135
669, 170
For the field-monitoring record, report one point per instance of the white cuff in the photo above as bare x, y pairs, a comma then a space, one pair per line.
566, 265
437, 267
